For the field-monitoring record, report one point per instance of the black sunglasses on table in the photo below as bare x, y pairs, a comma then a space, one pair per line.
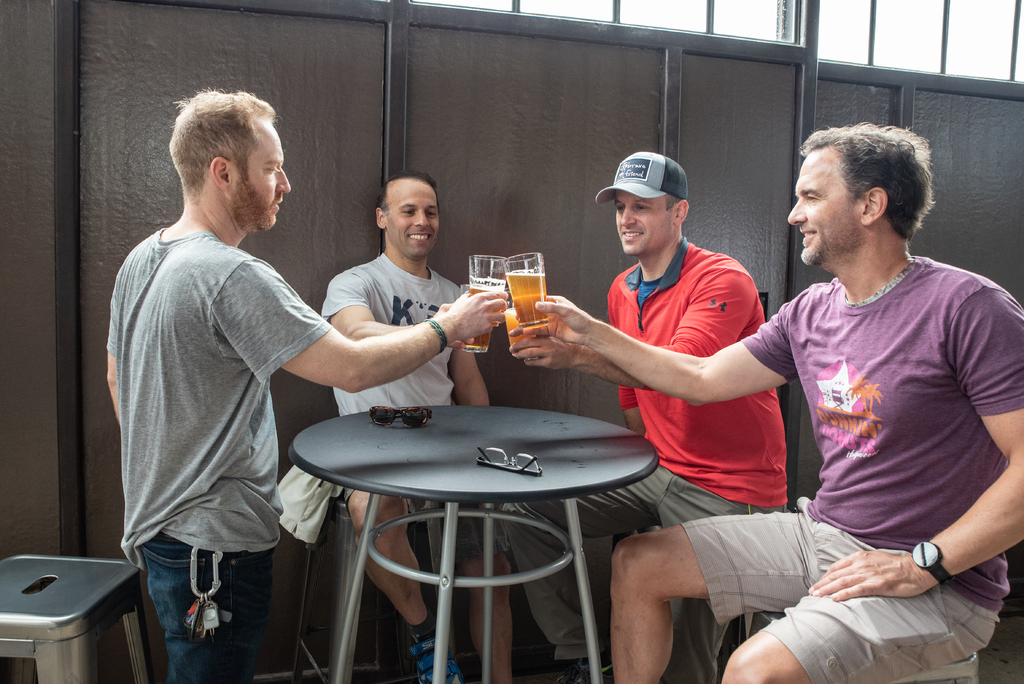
411, 416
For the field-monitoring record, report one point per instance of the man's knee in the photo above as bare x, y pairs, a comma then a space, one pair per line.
634, 558
763, 659
389, 507
660, 564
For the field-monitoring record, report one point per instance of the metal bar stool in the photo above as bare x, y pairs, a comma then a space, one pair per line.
345, 544
53, 608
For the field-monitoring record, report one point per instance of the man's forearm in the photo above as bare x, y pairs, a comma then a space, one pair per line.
993, 524
354, 366
645, 365
366, 329
588, 361
730, 373
112, 384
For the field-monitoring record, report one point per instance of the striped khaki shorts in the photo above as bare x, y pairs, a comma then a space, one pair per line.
769, 562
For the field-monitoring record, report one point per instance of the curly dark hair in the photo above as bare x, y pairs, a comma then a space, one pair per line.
887, 157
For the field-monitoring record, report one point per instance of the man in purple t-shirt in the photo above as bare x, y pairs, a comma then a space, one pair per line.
915, 379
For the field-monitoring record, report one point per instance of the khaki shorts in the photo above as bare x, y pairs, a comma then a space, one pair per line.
769, 562
469, 539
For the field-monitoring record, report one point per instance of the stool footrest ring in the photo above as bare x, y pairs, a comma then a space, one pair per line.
472, 582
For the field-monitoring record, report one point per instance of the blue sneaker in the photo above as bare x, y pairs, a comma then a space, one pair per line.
579, 673
424, 654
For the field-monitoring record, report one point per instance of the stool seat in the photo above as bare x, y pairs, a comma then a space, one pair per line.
83, 592
52, 609
961, 672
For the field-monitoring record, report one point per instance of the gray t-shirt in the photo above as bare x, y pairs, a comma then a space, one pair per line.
395, 297
197, 328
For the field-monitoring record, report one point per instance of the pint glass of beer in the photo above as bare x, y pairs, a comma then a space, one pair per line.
525, 274
511, 323
486, 274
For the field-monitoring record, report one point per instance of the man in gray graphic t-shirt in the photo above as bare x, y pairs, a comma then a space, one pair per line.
398, 289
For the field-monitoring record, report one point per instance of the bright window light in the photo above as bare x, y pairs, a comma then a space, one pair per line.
473, 4
980, 38
681, 15
597, 10
844, 28
908, 34
747, 18
1019, 72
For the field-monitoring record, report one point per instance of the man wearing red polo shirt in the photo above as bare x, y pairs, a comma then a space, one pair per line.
717, 459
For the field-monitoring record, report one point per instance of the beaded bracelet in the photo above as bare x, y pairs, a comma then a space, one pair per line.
440, 333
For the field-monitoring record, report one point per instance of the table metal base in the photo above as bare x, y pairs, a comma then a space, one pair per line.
446, 581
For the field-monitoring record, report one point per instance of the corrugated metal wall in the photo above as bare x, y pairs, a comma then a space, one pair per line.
28, 390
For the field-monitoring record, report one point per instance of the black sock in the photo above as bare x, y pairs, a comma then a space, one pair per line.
425, 629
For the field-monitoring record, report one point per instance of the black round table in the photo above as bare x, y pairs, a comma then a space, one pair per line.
438, 462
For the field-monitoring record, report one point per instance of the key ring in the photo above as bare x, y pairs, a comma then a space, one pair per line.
193, 573
531, 466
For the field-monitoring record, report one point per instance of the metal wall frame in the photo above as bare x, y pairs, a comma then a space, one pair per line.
399, 16
67, 244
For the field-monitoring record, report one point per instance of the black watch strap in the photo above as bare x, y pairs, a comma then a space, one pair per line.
928, 557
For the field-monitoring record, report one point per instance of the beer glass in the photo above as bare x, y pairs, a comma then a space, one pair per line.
486, 274
525, 274
511, 323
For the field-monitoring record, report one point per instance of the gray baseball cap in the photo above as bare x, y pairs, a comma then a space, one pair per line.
647, 174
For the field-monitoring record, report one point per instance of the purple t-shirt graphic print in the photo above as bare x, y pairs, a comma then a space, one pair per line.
845, 400
897, 389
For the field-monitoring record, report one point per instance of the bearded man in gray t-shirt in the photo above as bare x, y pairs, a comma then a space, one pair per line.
197, 327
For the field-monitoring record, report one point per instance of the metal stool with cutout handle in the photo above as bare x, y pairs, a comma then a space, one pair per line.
53, 609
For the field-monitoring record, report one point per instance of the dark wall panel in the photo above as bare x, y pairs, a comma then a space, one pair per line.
28, 419
736, 148
841, 104
978, 165
324, 79
521, 134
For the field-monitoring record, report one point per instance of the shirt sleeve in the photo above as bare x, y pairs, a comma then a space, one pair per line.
985, 340
770, 345
262, 319
719, 309
113, 333
627, 398
345, 289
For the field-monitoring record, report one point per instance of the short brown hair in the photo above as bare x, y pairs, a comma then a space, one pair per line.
891, 158
214, 124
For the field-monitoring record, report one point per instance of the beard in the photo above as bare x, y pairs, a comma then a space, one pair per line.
251, 213
832, 249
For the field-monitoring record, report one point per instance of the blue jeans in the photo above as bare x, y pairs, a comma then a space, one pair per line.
230, 655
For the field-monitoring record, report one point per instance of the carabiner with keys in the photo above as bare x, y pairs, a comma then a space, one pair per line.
193, 572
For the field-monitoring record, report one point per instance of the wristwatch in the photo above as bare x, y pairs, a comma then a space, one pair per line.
928, 557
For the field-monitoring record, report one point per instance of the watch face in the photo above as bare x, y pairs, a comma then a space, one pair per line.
926, 554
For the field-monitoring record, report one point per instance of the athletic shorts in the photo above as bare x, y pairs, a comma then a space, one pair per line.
469, 539
769, 563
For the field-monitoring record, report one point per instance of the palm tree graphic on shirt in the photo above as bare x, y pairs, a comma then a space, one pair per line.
845, 409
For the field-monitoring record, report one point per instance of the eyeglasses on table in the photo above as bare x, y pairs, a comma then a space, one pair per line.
520, 463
